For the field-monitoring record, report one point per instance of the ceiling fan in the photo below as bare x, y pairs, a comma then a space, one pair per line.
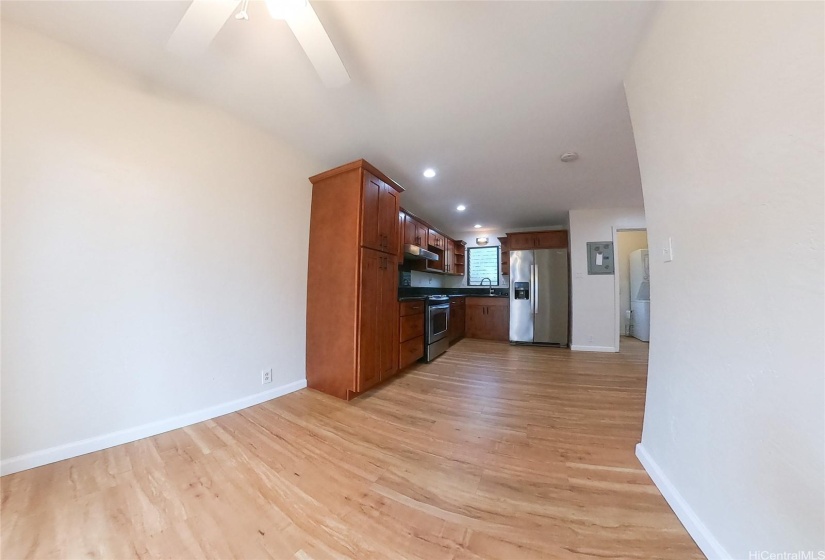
205, 18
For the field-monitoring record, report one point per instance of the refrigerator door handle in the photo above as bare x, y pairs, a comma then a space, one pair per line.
536, 284
533, 289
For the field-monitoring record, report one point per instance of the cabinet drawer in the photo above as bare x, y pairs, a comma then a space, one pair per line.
412, 326
411, 307
410, 351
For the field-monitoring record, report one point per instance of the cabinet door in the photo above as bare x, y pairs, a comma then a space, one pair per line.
476, 324
498, 318
436, 239
520, 241
369, 348
387, 218
462, 320
410, 230
401, 234
387, 314
456, 320
551, 239
369, 212
449, 257
423, 234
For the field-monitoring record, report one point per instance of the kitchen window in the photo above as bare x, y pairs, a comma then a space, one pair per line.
483, 262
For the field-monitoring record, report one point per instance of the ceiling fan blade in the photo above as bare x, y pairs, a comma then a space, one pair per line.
316, 43
199, 25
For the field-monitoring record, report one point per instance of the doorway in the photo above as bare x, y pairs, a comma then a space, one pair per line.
631, 286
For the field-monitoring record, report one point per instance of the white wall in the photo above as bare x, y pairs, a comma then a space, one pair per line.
593, 301
626, 243
726, 101
145, 240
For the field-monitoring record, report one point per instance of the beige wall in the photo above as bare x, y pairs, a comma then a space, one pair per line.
146, 241
726, 100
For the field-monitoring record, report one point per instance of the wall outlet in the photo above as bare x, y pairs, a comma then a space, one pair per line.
266, 376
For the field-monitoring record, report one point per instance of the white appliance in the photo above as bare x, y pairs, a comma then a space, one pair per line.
640, 294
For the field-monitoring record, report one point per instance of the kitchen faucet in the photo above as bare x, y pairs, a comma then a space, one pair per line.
491, 284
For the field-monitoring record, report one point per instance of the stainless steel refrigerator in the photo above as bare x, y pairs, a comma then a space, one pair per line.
539, 296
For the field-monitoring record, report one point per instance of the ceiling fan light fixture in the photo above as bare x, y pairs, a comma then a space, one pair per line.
284, 9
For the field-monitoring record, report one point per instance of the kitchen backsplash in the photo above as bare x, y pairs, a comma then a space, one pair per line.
428, 280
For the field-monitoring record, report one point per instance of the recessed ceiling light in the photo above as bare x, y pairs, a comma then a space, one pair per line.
477, 226
429, 173
567, 157
461, 208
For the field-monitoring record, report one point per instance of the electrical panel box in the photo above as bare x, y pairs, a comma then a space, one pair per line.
600, 257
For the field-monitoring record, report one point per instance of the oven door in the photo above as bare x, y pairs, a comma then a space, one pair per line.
438, 318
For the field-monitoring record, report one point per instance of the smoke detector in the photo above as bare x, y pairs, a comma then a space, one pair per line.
567, 157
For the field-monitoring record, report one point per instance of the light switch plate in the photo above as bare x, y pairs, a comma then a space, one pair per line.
667, 250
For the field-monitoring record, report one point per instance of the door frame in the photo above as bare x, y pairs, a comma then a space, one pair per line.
617, 305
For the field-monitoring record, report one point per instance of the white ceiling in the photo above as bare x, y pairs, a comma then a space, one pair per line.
488, 93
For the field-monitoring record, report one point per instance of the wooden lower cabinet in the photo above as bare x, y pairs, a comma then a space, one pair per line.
488, 318
410, 332
410, 351
456, 327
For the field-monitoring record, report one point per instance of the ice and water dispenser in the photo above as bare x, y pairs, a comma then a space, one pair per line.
521, 290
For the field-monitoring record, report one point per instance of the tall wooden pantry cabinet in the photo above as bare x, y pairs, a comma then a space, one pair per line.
352, 284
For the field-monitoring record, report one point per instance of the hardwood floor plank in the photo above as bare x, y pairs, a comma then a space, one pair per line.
492, 451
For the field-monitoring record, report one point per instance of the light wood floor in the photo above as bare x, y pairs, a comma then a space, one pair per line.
491, 451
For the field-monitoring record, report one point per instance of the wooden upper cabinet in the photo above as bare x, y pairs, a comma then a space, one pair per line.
415, 233
449, 257
410, 230
505, 255
436, 239
388, 218
400, 234
554, 239
423, 233
380, 215
370, 214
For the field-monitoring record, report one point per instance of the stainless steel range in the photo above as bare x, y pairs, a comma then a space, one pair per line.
436, 326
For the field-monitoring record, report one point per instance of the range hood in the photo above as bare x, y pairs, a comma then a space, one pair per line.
414, 252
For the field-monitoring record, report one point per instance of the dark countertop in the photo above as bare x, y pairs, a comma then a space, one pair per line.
404, 295
463, 291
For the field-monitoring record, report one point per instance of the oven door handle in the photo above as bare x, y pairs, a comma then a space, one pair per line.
440, 306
